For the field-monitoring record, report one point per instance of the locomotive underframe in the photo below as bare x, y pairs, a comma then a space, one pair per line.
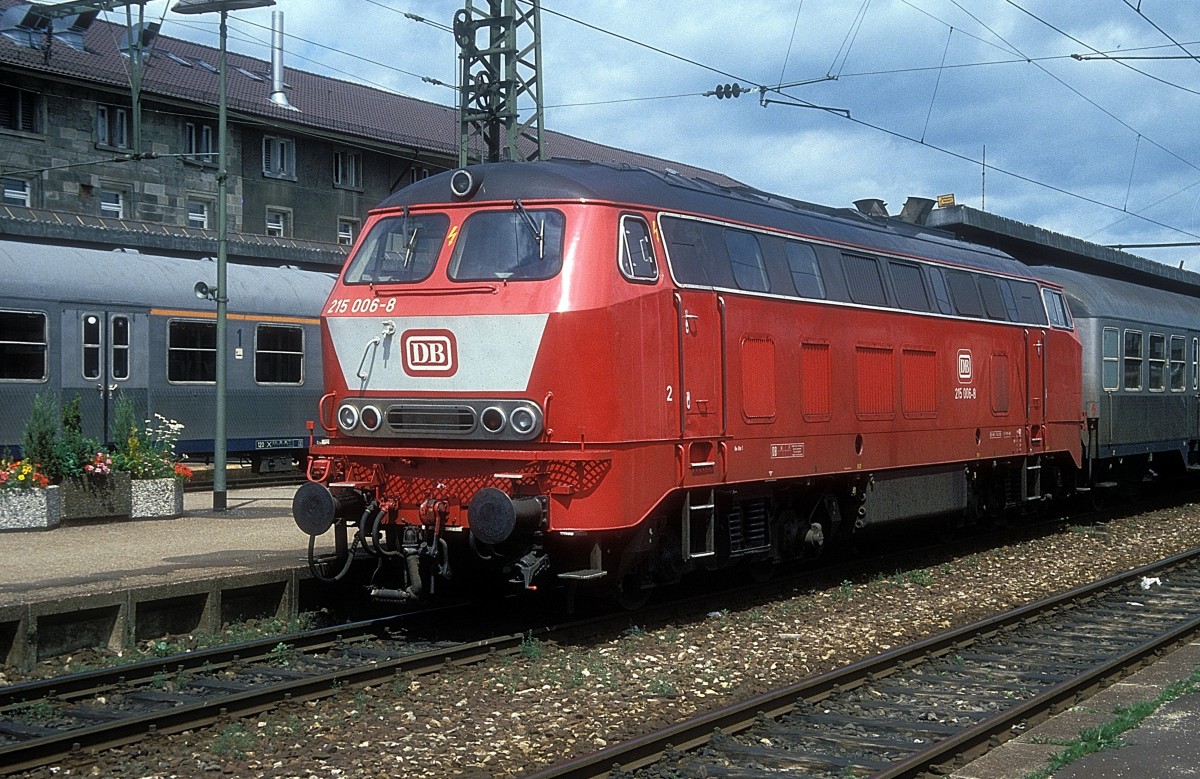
422, 531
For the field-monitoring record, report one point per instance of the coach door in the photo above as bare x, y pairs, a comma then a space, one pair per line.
1035, 388
701, 365
101, 359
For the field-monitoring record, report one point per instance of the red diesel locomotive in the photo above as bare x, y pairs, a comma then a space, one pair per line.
567, 371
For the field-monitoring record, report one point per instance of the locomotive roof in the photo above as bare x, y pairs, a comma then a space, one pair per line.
47, 272
561, 179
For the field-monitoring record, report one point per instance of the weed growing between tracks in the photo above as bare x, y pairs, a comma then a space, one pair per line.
1108, 735
236, 633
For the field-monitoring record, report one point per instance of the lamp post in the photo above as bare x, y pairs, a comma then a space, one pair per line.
220, 439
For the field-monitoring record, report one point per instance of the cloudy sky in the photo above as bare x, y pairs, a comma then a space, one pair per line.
918, 94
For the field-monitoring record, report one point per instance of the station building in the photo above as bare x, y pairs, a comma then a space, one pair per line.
308, 154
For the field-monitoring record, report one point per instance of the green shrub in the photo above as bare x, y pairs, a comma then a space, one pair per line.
41, 432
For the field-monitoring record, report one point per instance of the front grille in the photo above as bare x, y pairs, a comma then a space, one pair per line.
432, 419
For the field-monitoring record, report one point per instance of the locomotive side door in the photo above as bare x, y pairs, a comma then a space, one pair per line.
701, 364
1035, 388
100, 357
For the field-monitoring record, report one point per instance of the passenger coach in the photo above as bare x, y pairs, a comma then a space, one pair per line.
92, 323
572, 371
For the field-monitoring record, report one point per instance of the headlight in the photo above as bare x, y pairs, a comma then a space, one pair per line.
371, 418
493, 419
347, 417
523, 420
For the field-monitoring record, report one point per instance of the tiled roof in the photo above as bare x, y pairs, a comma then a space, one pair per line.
323, 103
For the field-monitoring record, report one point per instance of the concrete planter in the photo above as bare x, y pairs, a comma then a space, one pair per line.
30, 509
95, 496
155, 498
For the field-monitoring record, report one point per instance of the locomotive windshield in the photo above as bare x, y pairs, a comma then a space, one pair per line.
514, 245
399, 250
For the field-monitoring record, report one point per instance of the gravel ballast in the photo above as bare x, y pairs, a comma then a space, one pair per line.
515, 714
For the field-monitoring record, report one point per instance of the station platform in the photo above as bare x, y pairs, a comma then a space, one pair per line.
113, 583
255, 533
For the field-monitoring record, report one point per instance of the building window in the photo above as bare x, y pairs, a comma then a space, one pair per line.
279, 157
347, 229
20, 110
279, 222
1111, 359
112, 126
347, 169
192, 351
198, 142
16, 192
22, 346
1133, 360
197, 214
112, 203
279, 355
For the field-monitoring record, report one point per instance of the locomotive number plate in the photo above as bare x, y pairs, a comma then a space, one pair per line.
279, 443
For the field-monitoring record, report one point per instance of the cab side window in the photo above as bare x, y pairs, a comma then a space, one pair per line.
637, 250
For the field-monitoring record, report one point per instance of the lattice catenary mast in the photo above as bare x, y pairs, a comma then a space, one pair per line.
497, 75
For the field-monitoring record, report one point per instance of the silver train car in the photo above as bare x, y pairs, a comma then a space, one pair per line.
97, 324
1141, 374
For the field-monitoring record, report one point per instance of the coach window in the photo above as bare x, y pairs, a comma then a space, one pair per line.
513, 244
909, 286
399, 250
1195, 364
1111, 365
1178, 363
22, 346
964, 293
863, 280
118, 340
637, 251
806, 273
91, 346
1158, 363
191, 351
1133, 360
746, 259
279, 355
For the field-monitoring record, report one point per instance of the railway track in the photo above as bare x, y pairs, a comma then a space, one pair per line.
70, 717
928, 707
63, 718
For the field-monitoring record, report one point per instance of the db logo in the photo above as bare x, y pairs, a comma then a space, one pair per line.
964, 366
429, 352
